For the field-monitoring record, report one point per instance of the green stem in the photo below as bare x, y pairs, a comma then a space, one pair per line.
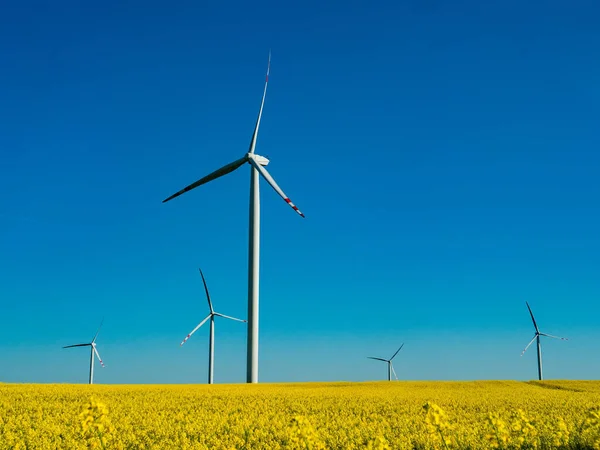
497, 436
100, 439
443, 440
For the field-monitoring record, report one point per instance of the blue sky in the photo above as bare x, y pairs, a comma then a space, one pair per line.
446, 158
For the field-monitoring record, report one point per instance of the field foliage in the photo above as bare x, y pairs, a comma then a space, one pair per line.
377, 415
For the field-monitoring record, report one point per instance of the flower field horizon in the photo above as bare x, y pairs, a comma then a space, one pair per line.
562, 414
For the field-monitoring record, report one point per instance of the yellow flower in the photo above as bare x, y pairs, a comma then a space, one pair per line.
379, 443
500, 435
95, 424
561, 434
438, 424
303, 435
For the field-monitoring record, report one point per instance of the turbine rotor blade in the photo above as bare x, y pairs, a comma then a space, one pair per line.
229, 317
262, 104
555, 337
397, 351
532, 318
98, 355
194, 330
274, 185
216, 174
530, 342
393, 371
207, 294
378, 359
96, 335
77, 345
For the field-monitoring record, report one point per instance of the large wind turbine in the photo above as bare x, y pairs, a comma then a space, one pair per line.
539, 344
389, 363
93, 350
257, 166
211, 344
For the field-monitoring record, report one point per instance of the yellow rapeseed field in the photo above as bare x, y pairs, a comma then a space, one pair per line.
374, 415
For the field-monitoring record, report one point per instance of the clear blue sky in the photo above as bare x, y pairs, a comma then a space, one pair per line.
446, 158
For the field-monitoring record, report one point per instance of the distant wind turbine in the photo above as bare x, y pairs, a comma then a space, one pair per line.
539, 344
211, 344
93, 350
389, 363
257, 166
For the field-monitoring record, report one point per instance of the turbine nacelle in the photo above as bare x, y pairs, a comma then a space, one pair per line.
259, 159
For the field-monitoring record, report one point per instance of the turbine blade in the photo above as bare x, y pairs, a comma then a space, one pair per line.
397, 351
393, 371
229, 317
194, 330
98, 355
531, 342
532, 318
96, 335
274, 185
216, 174
207, 294
77, 345
378, 359
262, 104
555, 337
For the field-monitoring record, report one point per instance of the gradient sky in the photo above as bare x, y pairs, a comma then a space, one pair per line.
446, 157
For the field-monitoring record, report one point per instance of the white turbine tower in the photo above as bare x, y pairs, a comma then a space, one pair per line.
389, 363
211, 344
93, 350
257, 164
539, 344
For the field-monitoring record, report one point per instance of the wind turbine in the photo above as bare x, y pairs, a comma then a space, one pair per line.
539, 344
389, 363
211, 344
93, 350
257, 166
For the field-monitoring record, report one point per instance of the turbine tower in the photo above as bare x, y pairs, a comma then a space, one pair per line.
389, 363
93, 350
257, 166
211, 343
539, 344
